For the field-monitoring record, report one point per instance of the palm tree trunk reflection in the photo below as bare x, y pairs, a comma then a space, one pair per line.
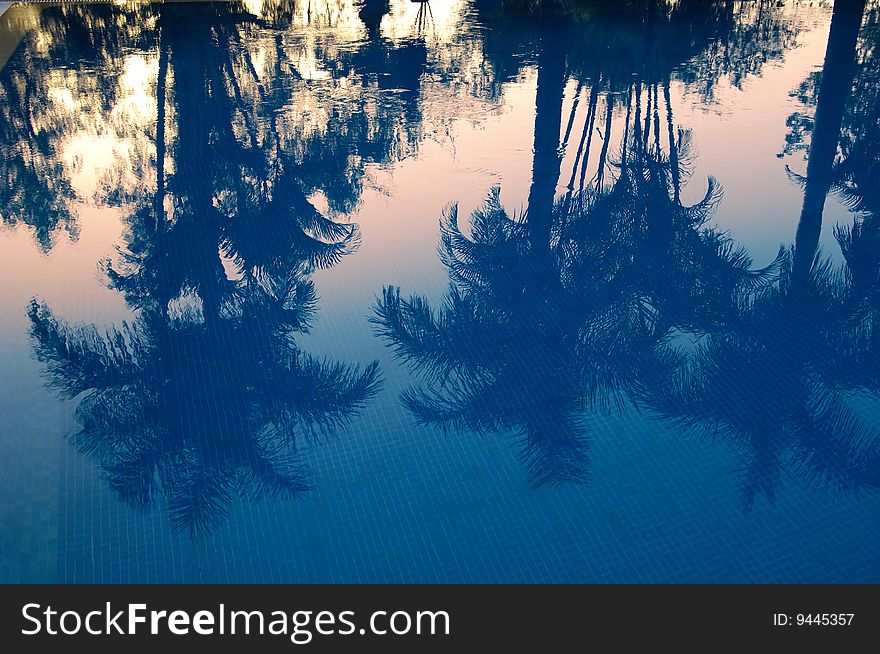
548, 117
837, 76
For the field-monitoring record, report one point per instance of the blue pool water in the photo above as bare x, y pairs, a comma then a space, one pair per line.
447, 291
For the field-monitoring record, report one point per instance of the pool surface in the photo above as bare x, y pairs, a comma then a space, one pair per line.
447, 291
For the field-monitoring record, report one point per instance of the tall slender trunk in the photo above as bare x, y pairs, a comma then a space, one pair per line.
637, 119
837, 76
629, 94
199, 111
161, 80
594, 101
591, 110
673, 144
159, 199
656, 121
606, 139
548, 119
572, 114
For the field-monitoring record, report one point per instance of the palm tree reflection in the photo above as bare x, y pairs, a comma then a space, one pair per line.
785, 381
617, 294
620, 294
545, 318
198, 414
205, 395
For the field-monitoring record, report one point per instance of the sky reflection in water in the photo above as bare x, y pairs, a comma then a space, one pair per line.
447, 291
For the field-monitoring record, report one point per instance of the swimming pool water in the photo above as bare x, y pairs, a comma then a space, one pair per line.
447, 291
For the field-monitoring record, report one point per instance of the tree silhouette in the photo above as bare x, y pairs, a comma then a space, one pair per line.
34, 191
546, 318
194, 411
836, 81
365, 122
62, 55
776, 380
773, 385
518, 344
205, 396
